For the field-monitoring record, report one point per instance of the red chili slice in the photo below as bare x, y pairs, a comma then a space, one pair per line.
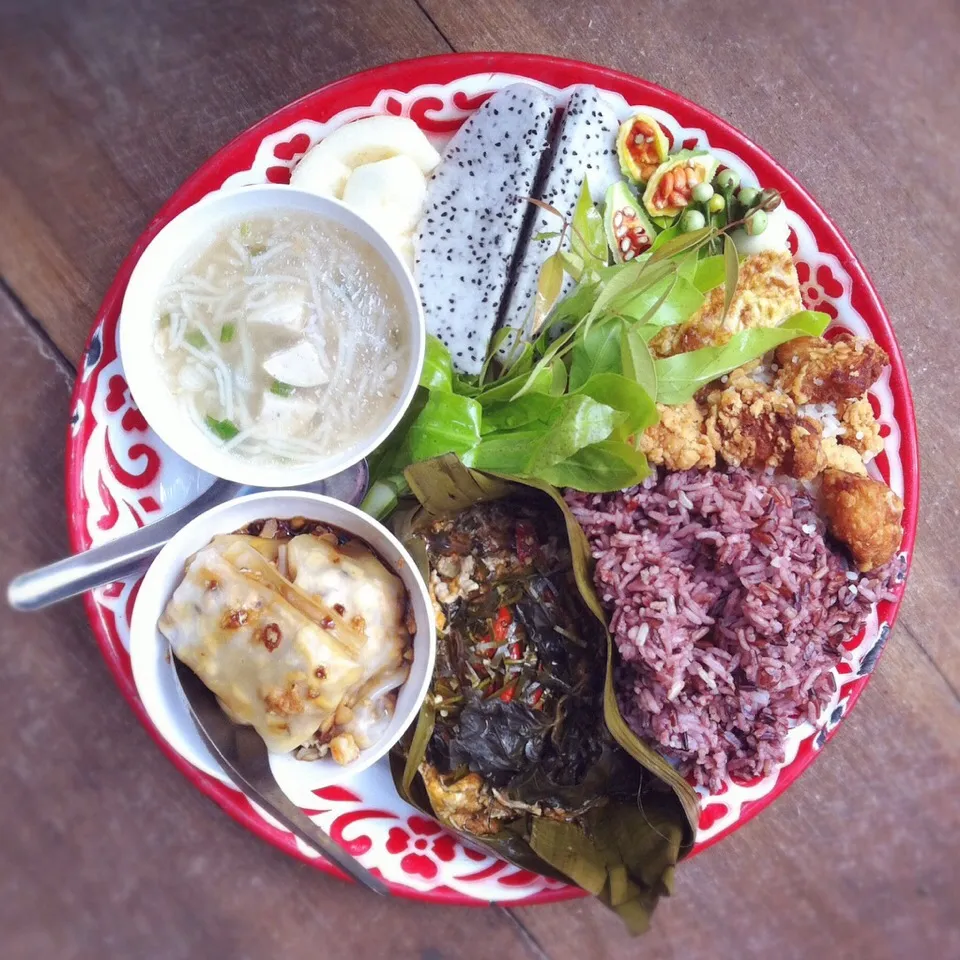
501, 626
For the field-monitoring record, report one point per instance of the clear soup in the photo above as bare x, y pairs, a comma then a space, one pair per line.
283, 338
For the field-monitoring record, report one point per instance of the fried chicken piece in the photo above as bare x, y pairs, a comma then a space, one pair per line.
817, 370
768, 291
865, 515
752, 425
842, 457
861, 430
679, 441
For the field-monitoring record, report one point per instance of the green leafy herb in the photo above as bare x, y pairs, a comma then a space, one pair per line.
587, 239
598, 351
607, 465
505, 390
679, 377
227, 332
572, 263
506, 453
388, 461
554, 429
448, 423
532, 408
664, 237
582, 420
549, 285
681, 243
731, 273
636, 361
281, 389
437, 373
196, 339
710, 273
621, 393
224, 429
164, 321
666, 303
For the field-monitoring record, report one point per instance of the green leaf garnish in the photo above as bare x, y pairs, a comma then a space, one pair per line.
636, 361
196, 339
549, 285
587, 239
437, 373
281, 389
224, 429
448, 423
597, 351
731, 273
709, 273
227, 332
607, 465
679, 377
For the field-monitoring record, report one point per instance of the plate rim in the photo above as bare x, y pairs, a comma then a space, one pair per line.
446, 68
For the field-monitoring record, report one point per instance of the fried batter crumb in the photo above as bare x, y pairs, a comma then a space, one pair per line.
751, 425
679, 441
861, 430
842, 457
817, 370
865, 515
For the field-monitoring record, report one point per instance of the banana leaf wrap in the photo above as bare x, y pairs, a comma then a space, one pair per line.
544, 772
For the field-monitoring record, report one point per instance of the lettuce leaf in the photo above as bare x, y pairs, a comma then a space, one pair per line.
607, 465
448, 423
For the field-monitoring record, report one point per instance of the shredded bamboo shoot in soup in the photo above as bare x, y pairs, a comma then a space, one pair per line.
284, 339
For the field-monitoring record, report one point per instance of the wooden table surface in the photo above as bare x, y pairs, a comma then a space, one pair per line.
105, 106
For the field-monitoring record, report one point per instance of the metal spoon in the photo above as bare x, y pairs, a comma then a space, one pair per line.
129, 554
243, 754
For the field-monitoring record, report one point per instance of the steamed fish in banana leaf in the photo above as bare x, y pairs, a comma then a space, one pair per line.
513, 747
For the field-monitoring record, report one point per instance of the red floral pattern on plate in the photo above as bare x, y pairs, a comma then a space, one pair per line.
428, 845
116, 472
819, 290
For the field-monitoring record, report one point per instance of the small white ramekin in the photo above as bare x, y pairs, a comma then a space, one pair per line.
184, 236
151, 658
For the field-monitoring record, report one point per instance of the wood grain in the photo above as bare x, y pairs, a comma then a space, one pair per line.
105, 106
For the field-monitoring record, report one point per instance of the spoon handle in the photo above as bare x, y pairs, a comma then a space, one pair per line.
110, 561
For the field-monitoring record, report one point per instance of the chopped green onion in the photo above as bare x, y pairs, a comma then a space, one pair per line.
224, 429
245, 229
280, 388
196, 339
164, 321
227, 332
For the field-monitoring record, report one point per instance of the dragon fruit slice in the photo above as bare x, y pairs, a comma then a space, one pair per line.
586, 147
474, 217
